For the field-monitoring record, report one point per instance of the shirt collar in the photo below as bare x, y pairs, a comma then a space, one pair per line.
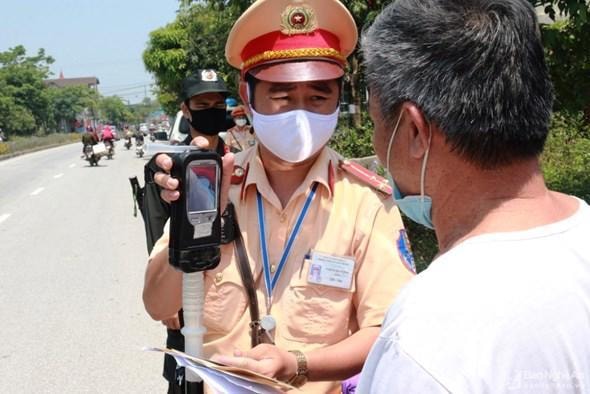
322, 171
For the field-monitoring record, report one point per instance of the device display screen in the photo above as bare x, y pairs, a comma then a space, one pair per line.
202, 187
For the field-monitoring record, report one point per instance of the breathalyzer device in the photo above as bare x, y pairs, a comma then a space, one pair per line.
195, 220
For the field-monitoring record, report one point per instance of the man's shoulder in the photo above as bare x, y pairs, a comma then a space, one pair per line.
356, 178
242, 158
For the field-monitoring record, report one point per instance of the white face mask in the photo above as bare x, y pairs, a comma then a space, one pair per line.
295, 135
240, 122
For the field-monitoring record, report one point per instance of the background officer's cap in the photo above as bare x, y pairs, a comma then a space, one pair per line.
204, 81
292, 40
238, 111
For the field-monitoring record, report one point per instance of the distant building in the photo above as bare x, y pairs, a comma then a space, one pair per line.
91, 82
85, 118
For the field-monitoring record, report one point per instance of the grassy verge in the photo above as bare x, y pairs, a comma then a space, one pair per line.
18, 145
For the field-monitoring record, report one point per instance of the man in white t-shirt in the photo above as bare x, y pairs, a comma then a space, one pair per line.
461, 101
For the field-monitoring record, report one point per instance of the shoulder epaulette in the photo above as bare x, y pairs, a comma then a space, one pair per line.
238, 175
365, 176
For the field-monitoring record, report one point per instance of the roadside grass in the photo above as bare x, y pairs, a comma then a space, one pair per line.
23, 144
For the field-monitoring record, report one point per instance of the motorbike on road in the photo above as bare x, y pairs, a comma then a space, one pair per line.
110, 149
128, 143
139, 149
90, 156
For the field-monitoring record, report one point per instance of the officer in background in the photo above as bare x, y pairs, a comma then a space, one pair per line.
241, 136
203, 106
318, 239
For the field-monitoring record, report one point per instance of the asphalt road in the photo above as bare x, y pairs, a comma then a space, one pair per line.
72, 259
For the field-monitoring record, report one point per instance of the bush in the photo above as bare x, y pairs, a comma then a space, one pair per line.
566, 160
351, 142
3, 148
423, 242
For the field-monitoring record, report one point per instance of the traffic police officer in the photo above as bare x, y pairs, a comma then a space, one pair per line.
241, 136
319, 239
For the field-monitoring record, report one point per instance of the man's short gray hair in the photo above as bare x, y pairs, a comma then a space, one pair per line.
475, 67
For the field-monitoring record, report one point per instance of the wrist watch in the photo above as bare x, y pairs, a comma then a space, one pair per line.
300, 377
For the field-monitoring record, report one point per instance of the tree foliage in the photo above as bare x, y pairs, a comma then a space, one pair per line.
114, 111
567, 45
67, 103
166, 57
23, 99
141, 111
566, 158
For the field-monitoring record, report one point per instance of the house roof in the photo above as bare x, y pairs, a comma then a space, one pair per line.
62, 82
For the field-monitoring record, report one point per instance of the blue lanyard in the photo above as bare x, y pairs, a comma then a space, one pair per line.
270, 280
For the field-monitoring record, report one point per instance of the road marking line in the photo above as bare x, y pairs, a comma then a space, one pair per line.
4, 217
72, 165
58, 175
37, 191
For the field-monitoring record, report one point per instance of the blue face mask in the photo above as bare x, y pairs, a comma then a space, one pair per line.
417, 208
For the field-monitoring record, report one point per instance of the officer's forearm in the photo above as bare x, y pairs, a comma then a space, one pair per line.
162, 289
344, 359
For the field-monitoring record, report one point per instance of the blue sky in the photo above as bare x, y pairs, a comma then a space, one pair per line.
89, 38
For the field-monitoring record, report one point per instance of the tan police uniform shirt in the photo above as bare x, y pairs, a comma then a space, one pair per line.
240, 138
346, 218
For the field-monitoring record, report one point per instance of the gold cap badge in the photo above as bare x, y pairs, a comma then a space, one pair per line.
298, 19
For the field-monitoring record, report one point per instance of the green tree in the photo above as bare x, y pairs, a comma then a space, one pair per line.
194, 40
141, 111
68, 103
568, 56
23, 99
14, 118
167, 58
113, 110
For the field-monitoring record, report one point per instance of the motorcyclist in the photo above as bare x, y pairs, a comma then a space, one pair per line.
139, 138
88, 139
128, 135
108, 138
107, 135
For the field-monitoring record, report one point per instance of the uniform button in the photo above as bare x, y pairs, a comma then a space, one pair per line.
218, 277
283, 218
273, 268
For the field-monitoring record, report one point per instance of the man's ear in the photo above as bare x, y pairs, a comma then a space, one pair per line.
243, 90
185, 110
419, 134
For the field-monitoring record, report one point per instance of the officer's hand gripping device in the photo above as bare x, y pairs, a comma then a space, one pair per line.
195, 235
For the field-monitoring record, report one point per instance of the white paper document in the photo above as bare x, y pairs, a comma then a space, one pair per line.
228, 380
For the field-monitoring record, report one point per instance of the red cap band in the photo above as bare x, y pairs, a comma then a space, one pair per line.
276, 46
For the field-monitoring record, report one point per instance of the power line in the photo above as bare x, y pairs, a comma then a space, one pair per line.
123, 85
114, 91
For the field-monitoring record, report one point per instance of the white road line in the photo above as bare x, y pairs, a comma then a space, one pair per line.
37, 191
72, 165
4, 217
58, 175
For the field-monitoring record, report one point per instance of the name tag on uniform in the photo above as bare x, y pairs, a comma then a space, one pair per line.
329, 270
